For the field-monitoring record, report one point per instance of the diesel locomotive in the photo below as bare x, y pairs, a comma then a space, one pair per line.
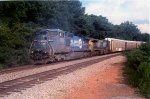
55, 45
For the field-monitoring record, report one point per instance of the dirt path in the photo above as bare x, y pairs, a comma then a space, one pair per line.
107, 84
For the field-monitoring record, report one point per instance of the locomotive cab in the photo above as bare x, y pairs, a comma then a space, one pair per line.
49, 44
40, 50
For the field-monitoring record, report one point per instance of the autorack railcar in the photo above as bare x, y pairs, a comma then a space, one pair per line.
122, 45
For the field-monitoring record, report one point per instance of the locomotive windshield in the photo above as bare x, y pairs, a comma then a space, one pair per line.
39, 45
42, 35
47, 35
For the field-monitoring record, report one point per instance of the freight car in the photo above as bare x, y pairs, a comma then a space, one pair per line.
122, 45
55, 45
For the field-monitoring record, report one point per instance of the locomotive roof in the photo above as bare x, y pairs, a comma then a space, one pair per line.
59, 30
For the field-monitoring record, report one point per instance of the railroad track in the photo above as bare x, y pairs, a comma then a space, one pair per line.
28, 67
19, 84
15, 69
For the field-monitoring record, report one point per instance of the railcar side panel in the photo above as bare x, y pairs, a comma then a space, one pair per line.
117, 45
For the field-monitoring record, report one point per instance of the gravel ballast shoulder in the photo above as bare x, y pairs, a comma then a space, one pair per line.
18, 74
60, 86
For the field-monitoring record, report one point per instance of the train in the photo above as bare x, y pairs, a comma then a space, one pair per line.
51, 45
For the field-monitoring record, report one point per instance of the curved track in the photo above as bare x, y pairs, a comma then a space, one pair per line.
28, 67
16, 85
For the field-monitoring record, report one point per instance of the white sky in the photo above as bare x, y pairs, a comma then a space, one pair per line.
118, 11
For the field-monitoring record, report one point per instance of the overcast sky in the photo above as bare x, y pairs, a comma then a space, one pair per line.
118, 11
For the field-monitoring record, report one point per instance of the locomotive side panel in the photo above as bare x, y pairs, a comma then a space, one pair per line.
59, 45
93, 44
79, 44
58, 41
98, 47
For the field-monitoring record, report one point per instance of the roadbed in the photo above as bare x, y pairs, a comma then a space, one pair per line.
103, 80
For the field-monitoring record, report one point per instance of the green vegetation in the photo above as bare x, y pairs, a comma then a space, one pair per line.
138, 68
19, 20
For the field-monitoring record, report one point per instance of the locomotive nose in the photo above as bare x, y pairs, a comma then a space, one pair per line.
39, 54
40, 50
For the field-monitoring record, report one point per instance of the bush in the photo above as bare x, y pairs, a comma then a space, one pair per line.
145, 48
135, 57
15, 44
144, 80
138, 68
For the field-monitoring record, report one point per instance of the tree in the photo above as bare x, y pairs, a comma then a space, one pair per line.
126, 30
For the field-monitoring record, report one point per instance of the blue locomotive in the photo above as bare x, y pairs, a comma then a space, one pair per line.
55, 45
